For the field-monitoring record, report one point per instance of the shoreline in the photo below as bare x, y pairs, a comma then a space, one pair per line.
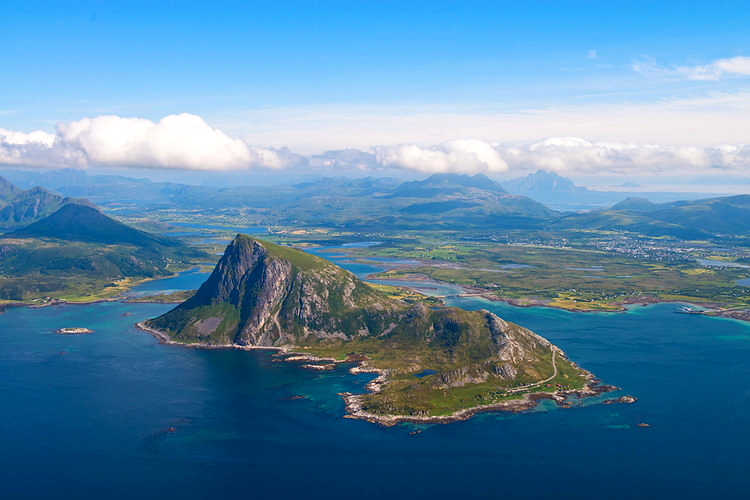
115, 298
712, 309
353, 402
526, 402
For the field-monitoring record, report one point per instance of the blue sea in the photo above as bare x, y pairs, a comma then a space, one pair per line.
115, 414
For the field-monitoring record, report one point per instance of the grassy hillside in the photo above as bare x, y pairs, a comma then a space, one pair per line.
700, 219
79, 253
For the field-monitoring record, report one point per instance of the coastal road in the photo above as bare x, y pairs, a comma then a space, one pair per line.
535, 384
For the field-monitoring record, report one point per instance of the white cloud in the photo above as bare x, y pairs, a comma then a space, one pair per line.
575, 156
453, 156
183, 141
731, 67
40, 137
565, 155
345, 160
176, 141
36, 148
187, 142
592, 54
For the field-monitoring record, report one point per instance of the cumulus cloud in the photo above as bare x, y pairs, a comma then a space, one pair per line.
187, 142
176, 141
565, 155
729, 67
36, 148
454, 156
345, 160
574, 155
182, 141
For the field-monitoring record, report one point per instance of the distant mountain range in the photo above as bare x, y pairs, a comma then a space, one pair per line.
542, 181
19, 207
453, 202
699, 219
446, 184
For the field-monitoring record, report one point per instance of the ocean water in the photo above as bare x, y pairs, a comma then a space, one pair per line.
116, 414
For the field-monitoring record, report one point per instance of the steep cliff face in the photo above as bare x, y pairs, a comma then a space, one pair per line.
265, 295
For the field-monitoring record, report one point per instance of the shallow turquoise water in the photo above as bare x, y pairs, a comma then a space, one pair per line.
116, 414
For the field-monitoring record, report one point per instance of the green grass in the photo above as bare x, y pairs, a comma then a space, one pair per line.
603, 281
406, 394
164, 298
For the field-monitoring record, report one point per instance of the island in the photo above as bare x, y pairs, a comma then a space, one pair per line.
433, 363
73, 331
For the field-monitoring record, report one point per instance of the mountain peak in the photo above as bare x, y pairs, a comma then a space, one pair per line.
635, 204
260, 293
21, 207
446, 184
542, 181
479, 181
83, 222
7, 190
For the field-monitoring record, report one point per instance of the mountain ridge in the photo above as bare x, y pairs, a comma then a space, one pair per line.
75, 221
542, 181
23, 206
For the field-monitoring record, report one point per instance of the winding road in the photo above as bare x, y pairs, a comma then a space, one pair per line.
535, 384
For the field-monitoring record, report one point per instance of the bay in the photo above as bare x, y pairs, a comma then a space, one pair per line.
116, 413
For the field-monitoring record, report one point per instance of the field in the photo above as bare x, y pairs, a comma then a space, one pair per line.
568, 278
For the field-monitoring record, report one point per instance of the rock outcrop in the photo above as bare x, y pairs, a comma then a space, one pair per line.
261, 294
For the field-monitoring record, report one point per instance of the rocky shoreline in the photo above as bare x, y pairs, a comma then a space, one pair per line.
527, 402
353, 401
712, 309
73, 331
164, 339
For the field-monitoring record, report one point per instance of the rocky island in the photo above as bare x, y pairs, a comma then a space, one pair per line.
73, 331
433, 363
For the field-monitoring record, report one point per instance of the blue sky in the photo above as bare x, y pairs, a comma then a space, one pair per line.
318, 76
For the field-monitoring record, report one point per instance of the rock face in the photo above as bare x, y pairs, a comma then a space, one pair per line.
261, 294
265, 295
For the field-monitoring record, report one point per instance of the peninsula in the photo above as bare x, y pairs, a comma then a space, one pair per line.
433, 363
